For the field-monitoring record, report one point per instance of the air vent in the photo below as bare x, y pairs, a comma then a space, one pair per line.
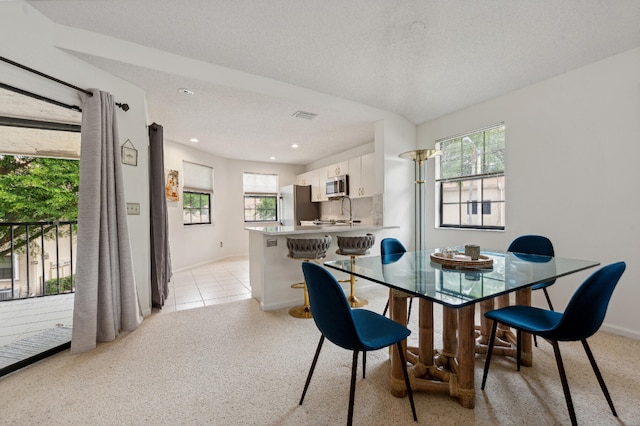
305, 115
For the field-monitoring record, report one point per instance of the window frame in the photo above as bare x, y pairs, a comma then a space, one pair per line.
478, 185
16, 268
185, 208
253, 195
198, 180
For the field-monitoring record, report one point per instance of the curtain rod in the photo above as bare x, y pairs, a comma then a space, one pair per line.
124, 106
39, 97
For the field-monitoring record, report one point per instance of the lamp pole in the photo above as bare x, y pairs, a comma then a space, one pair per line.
419, 156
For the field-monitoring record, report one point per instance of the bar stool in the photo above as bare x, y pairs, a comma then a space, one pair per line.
306, 250
354, 246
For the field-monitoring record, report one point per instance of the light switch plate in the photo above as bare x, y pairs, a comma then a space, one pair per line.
133, 208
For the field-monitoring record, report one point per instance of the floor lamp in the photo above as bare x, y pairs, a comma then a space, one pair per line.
419, 156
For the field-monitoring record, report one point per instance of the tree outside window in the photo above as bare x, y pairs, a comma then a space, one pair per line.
196, 194
196, 208
260, 197
470, 179
35, 189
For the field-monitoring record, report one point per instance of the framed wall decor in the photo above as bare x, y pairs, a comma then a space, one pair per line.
129, 153
172, 184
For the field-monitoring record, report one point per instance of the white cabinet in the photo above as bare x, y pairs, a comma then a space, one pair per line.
355, 186
316, 179
369, 176
362, 177
304, 179
337, 169
318, 186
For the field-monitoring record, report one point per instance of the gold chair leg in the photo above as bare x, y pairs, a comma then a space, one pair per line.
355, 302
303, 311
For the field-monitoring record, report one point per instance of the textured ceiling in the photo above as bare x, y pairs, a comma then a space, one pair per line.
419, 59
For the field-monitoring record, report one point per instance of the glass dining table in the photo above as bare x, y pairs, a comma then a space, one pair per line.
458, 288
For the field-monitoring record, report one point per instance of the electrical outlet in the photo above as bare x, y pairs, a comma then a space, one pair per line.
220, 243
272, 243
133, 208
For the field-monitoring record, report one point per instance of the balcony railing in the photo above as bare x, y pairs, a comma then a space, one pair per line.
37, 259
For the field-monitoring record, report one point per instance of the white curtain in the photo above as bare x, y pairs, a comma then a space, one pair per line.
106, 300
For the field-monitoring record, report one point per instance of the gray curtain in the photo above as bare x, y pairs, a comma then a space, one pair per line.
106, 299
160, 254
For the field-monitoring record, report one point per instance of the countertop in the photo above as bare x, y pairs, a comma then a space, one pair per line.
316, 229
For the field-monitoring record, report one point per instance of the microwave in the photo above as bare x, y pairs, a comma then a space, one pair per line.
337, 186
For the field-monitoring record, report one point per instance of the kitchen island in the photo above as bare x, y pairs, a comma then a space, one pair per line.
272, 272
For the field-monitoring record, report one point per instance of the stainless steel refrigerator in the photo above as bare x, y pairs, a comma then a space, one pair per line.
296, 205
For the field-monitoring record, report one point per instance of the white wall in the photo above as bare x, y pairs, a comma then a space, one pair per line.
393, 137
197, 244
30, 39
572, 148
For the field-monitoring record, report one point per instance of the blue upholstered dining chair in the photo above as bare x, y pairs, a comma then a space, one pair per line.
538, 245
359, 330
582, 317
535, 244
390, 246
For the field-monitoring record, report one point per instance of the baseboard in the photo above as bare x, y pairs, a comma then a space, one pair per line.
621, 331
280, 305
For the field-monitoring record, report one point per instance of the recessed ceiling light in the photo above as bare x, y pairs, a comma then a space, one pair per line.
272, 158
295, 145
194, 140
185, 91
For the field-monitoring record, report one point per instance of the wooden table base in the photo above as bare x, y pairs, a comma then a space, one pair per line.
505, 344
450, 370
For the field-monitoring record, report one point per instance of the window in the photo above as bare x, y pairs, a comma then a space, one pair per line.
260, 197
5, 268
470, 179
196, 208
196, 194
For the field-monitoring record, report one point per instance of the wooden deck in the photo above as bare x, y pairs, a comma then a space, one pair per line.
32, 329
34, 348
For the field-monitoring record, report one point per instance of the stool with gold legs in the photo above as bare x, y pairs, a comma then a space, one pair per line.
353, 247
306, 250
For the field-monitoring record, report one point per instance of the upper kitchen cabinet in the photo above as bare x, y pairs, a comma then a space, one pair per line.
362, 177
305, 179
317, 180
337, 169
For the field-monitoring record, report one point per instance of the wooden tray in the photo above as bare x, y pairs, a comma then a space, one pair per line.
484, 262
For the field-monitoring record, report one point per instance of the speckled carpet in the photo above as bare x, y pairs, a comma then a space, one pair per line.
233, 364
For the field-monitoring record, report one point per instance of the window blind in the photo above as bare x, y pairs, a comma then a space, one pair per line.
258, 183
197, 177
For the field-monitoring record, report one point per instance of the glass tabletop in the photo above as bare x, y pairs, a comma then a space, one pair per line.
415, 273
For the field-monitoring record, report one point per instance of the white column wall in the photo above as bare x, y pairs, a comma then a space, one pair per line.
394, 136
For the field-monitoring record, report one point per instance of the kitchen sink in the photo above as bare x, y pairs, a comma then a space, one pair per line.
327, 222
333, 222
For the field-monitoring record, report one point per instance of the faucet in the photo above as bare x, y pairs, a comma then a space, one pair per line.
350, 208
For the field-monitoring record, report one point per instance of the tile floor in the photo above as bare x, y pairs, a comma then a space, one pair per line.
217, 282
222, 281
